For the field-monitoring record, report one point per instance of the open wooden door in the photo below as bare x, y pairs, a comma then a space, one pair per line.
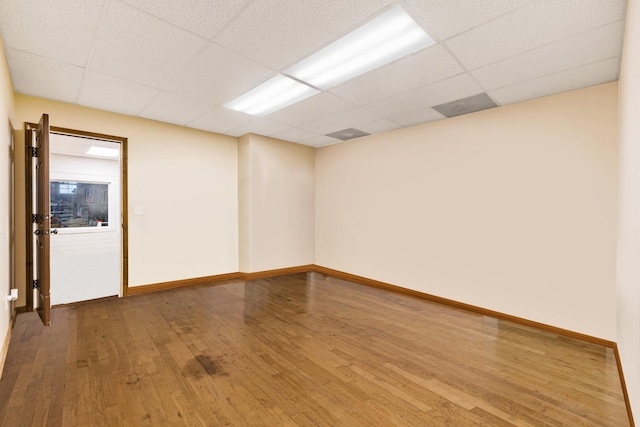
38, 260
43, 208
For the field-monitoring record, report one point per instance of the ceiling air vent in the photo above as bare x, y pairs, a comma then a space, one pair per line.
474, 103
347, 134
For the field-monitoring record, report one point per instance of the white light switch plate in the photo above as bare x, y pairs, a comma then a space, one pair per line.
138, 210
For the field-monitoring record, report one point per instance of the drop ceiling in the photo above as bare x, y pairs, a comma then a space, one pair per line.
181, 61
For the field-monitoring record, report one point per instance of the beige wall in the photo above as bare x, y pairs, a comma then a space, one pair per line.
276, 186
19, 216
629, 228
6, 201
511, 209
244, 203
185, 179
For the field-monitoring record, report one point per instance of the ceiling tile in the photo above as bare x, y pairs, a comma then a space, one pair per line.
428, 66
424, 115
380, 126
314, 108
60, 29
137, 47
43, 77
295, 135
203, 17
319, 141
345, 119
603, 43
447, 90
221, 120
201, 77
171, 108
537, 24
587, 75
280, 33
260, 126
112, 94
446, 18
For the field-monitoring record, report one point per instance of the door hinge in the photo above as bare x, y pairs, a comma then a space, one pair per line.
35, 284
34, 151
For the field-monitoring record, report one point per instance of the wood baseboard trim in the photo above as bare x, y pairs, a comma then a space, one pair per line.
144, 289
5, 349
623, 384
207, 280
468, 307
277, 272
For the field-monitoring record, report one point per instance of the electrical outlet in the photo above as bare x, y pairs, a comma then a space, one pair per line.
138, 210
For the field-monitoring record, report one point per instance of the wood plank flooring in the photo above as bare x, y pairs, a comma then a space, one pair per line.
303, 349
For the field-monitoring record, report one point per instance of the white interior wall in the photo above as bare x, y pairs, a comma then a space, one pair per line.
6, 202
245, 204
629, 223
511, 209
276, 184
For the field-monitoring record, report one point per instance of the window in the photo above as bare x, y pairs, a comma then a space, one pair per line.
79, 204
68, 187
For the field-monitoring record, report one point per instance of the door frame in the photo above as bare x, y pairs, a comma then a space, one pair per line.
37, 140
124, 209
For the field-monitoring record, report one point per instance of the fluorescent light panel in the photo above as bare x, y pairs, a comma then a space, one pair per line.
103, 152
384, 39
274, 94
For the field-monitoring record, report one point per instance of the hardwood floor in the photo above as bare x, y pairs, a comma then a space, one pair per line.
304, 349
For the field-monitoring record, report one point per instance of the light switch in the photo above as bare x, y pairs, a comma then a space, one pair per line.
138, 210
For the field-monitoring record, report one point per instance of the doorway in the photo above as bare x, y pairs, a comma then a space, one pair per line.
86, 234
85, 220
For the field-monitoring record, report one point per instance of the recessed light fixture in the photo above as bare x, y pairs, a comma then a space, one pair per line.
388, 37
103, 152
274, 94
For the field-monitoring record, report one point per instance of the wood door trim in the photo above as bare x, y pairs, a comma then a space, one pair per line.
124, 190
28, 189
43, 212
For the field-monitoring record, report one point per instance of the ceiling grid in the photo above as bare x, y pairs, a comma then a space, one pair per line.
181, 62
